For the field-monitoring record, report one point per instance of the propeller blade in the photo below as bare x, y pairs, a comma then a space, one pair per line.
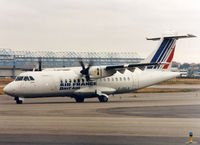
85, 71
81, 63
90, 63
87, 77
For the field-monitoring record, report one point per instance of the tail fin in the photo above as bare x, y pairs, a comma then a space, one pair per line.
165, 52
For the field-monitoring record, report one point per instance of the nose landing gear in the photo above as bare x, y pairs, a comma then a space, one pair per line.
19, 100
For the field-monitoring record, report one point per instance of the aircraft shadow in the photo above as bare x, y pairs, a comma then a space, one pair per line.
72, 102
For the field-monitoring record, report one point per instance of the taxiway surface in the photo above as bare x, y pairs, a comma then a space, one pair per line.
143, 118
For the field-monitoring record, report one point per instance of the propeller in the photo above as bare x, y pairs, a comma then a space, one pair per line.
85, 71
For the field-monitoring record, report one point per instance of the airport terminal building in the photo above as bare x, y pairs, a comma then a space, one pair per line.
14, 62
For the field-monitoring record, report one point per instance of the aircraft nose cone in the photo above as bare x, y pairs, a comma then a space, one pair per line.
8, 90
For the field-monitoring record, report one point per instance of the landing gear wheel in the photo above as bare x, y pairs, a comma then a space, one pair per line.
103, 98
79, 99
18, 100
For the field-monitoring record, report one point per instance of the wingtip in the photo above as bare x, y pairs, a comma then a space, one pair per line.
191, 35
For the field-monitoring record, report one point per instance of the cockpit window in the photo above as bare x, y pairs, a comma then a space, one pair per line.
31, 78
19, 78
26, 78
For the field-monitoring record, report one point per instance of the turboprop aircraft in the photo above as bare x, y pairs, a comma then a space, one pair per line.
88, 81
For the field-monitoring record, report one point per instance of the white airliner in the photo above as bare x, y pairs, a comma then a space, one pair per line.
97, 81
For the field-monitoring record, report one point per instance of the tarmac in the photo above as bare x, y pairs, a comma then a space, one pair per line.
127, 119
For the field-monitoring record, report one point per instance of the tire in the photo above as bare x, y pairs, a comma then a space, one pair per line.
19, 101
103, 98
79, 99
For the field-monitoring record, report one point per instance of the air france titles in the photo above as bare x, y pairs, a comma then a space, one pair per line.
64, 85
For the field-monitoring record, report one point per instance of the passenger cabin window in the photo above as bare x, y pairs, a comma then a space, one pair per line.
26, 78
124, 79
31, 78
19, 78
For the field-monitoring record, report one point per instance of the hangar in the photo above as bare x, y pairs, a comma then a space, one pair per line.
13, 62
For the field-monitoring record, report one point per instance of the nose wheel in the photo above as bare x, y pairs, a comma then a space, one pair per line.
18, 100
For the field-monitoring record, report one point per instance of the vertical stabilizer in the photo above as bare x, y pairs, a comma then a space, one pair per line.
165, 51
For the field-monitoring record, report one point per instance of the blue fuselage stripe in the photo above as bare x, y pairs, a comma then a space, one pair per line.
162, 52
169, 48
163, 44
158, 52
165, 52
166, 49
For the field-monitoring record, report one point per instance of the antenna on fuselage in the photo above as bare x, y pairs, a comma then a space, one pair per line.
39, 65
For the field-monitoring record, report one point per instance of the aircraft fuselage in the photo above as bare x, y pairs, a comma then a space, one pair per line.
68, 83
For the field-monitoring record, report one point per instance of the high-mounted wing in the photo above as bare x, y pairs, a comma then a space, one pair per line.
97, 72
139, 65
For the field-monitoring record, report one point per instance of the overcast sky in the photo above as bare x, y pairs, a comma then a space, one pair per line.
99, 25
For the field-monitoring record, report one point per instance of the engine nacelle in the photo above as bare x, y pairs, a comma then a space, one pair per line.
97, 72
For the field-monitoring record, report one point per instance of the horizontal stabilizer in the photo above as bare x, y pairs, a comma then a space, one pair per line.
174, 36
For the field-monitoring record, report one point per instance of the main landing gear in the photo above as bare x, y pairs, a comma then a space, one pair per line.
79, 99
103, 98
19, 100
